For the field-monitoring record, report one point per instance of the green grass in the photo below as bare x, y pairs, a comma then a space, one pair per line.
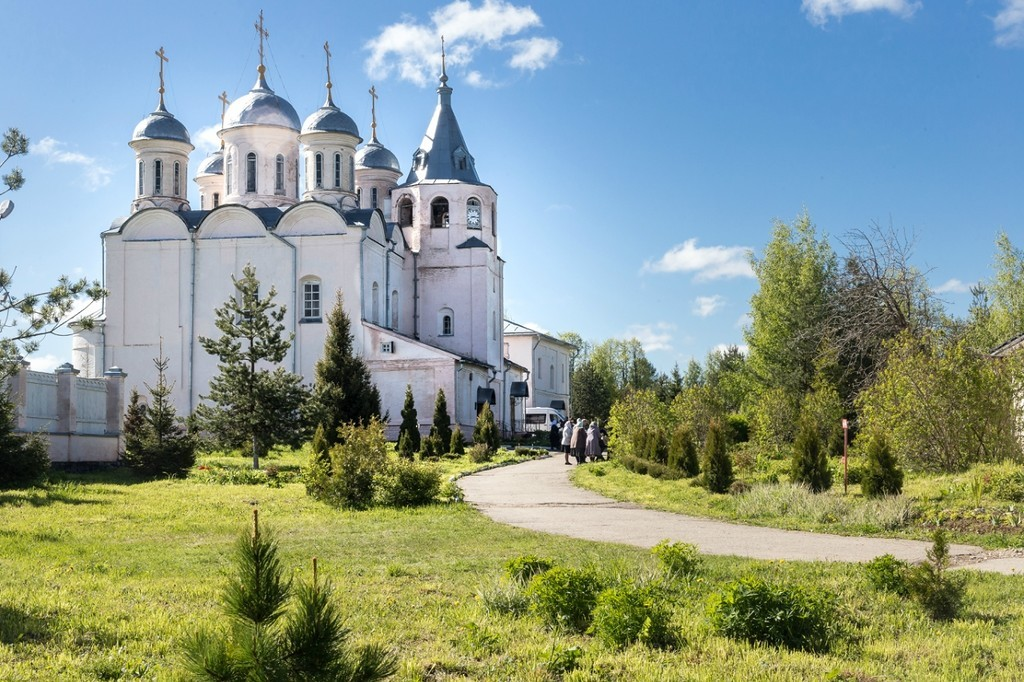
963, 504
103, 575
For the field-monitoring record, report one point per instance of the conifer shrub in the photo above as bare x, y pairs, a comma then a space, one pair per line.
24, 458
737, 428
410, 428
810, 462
564, 597
407, 484
757, 610
886, 573
431, 446
631, 614
156, 441
406, 448
442, 427
522, 569
486, 431
880, 474
679, 559
480, 453
356, 462
682, 453
940, 592
457, 446
717, 464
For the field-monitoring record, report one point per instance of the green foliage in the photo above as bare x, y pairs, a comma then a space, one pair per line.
442, 427
480, 453
431, 447
886, 573
942, 406
503, 598
679, 559
409, 431
1001, 316
717, 464
682, 452
590, 392
268, 641
457, 444
343, 389
635, 413
522, 569
486, 431
695, 407
14, 144
810, 463
774, 416
156, 441
650, 444
251, 406
24, 458
406, 484
628, 614
823, 408
737, 428
794, 616
1007, 483
564, 597
940, 592
881, 475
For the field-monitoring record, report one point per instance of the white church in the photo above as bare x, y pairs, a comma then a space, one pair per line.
315, 213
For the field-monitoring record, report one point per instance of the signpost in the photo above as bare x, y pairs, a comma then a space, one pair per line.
846, 471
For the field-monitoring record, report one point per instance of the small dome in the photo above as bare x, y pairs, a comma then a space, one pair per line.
212, 164
260, 106
161, 125
375, 155
330, 119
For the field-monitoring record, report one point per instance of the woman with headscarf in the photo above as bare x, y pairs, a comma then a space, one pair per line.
579, 440
593, 446
567, 431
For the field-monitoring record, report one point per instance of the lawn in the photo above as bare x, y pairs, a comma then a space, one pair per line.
103, 577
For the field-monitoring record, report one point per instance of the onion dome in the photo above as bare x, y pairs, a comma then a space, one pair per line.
261, 106
161, 125
377, 156
212, 164
330, 119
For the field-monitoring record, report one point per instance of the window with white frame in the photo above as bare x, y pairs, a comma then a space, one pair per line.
311, 309
250, 172
446, 318
318, 173
177, 179
158, 177
142, 175
279, 175
337, 171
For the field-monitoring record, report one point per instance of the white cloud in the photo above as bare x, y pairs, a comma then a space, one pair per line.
952, 286
704, 306
820, 11
653, 337
44, 362
95, 174
708, 262
722, 347
411, 51
206, 140
745, 320
1009, 24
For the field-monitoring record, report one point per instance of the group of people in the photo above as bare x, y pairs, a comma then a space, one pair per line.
580, 439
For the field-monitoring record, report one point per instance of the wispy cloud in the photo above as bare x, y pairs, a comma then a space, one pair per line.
820, 11
94, 174
744, 320
704, 306
707, 262
953, 286
653, 337
1009, 24
410, 50
743, 348
206, 140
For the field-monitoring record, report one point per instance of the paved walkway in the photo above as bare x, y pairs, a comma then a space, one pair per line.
539, 496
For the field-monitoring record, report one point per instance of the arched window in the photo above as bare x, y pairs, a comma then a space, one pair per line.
359, 197
375, 304
177, 179
229, 178
311, 309
551, 376
405, 212
446, 318
439, 212
158, 177
216, 199
394, 309
337, 171
318, 174
494, 221
250, 172
351, 171
473, 218
373, 197
142, 175
279, 175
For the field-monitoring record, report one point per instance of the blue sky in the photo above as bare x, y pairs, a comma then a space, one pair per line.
639, 150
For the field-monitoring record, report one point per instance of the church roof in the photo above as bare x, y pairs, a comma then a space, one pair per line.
473, 243
212, 164
261, 106
161, 125
330, 119
443, 154
375, 155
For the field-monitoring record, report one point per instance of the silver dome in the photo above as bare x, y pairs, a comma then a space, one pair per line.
330, 119
160, 125
212, 164
260, 106
376, 155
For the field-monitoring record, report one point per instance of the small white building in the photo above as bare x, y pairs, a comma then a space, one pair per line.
548, 360
415, 260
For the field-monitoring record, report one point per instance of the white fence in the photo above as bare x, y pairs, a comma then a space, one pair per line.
81, 418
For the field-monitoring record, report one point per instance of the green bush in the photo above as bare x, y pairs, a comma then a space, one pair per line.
938, 591
480, 453
880, 476
810, 462
407, 484
628, 614
564, 597
24, 458
717, 464
679, 559
737, 429
432, 446
682, 452
486, 431
650, 444
1008, 484
356, 462
457, 446
886, 573
521, 569
794, 616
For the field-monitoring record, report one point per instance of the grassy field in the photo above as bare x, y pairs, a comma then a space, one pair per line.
102, 576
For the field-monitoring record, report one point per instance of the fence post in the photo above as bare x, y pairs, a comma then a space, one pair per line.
67, 399
115, 399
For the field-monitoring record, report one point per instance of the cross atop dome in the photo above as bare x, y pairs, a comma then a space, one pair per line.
163, 58
263, 33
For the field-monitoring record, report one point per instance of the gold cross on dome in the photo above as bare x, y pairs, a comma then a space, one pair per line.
163, 58
263, 34
373, 112
327, 50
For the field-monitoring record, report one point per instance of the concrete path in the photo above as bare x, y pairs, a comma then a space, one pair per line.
539, 496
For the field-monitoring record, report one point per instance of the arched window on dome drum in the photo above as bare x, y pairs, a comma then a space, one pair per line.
439, 212
351, 171
250, 172
158, 177
337, 171
318, 171
375, 304
142, 175
216, 199
279, 175
229, 173
405, 212
177, 179
494, 221
373, 197
359, 197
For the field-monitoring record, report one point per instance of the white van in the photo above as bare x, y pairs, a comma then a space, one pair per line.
541, 418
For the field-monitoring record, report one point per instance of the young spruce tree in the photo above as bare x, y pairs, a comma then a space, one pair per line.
882, 476
442, 427
409, 431
486, 431
717, 463
251, 405
24, 458
156, 442
344, 391
810, 461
